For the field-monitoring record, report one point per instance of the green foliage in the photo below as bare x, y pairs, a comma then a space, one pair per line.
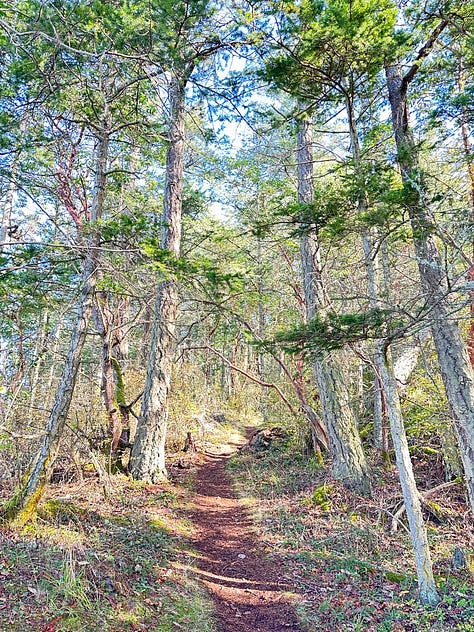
141, 234
329, 43
335, 214
329, 215
329, 331
126, 229
321, 497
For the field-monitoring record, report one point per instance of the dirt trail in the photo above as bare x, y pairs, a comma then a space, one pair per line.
250, 592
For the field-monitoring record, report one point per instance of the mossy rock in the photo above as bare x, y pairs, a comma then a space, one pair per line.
60, 511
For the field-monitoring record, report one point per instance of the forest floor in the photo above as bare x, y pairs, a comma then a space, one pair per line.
350, 570
237, 541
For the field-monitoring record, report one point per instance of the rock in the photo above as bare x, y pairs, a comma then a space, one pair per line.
458, 559
109, 585
219, 417
263, 439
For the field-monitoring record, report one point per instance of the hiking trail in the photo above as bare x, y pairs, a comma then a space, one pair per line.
251, 592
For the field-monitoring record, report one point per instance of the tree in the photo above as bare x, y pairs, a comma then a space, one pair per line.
453, 358
192, 42
99, 115
348, 461
26, 498
148, 454
331, 51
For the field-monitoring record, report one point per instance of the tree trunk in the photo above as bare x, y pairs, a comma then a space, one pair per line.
261, 332
25, 500
407, 361
6, 229
348, 460
453, 467
373, 284
110, 313
148, 453
453, 358
380, 434
467, 150
23, 504
49, 395
5, 226
107, 318
424, 569
40, 350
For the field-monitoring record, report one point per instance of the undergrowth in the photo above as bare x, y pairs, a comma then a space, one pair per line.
111, 557
353, 573
94, 565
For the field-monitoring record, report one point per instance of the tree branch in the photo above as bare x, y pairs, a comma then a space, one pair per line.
424, 52
245, 374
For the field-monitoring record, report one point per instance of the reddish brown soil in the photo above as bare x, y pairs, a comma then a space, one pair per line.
250, 591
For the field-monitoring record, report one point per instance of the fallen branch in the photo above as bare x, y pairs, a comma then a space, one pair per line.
423, 496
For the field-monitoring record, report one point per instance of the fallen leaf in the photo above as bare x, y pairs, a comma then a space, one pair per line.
51, 626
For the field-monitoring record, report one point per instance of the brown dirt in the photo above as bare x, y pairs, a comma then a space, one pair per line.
250, 591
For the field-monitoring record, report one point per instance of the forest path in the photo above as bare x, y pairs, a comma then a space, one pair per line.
249, 590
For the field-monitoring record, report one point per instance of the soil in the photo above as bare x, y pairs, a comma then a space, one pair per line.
251, 591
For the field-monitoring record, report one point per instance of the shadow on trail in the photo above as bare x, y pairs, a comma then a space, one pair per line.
250, 592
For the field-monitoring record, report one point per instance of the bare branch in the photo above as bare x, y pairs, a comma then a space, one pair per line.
245, 374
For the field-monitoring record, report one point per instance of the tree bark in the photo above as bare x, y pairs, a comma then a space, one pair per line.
40, 350
453, 358
467, 150
110, 313
109, 320
407, 361
148, 453
384, 367
348, 460
261, 332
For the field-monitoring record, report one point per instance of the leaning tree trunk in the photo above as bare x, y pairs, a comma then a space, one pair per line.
26, 498
348, 460
424, 568
148, 453
453, 358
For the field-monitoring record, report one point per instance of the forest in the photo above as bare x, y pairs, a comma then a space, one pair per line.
236, 315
